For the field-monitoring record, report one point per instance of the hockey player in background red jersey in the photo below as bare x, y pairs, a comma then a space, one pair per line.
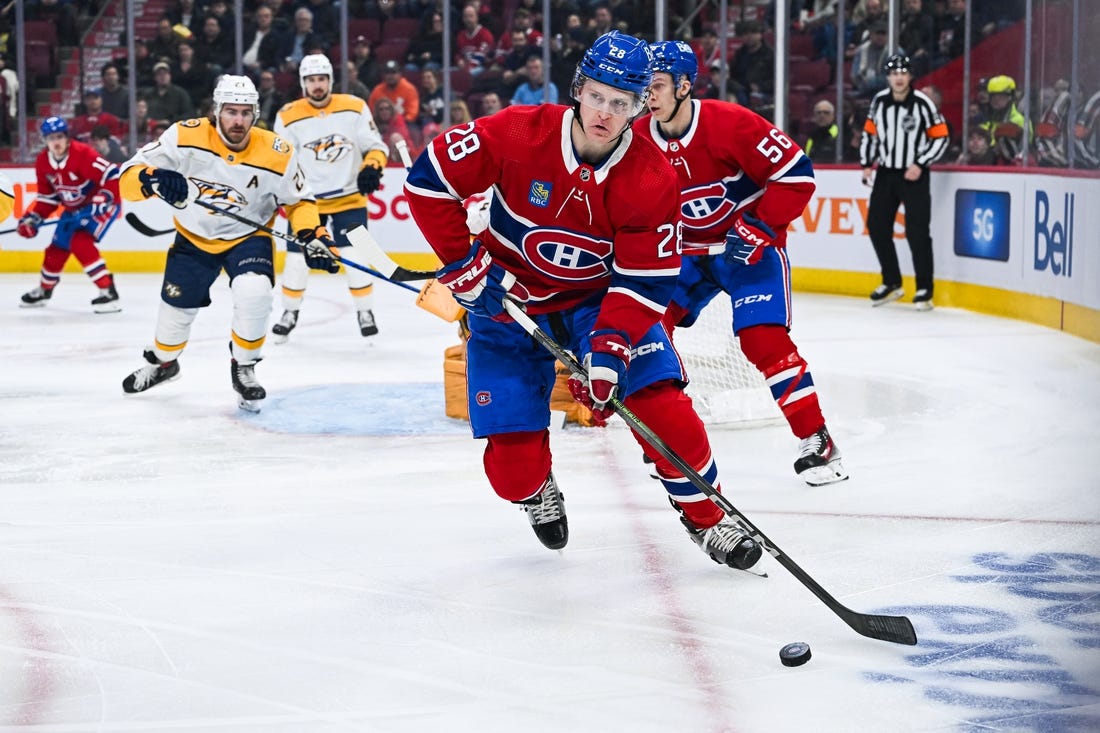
73, 175
585, 230
742, 182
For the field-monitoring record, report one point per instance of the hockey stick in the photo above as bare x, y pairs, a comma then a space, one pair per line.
379, 260
46, 223
896, 629
142, 228
291, 238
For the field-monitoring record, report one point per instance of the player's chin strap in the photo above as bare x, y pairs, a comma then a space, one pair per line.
676, 107
897, 629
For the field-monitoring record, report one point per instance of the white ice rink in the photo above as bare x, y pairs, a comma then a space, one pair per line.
339, 563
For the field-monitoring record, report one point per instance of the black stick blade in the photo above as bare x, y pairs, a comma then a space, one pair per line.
896, 629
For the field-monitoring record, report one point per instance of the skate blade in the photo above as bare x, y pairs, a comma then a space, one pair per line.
830, 473
107, 308
280, 338
252, 406
39, 304
896, 295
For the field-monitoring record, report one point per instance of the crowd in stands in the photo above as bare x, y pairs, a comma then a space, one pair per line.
498, 56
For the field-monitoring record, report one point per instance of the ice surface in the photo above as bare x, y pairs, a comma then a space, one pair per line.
338, 562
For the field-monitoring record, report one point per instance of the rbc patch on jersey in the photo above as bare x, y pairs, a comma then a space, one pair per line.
539, 195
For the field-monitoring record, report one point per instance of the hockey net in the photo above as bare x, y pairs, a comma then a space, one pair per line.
725, 386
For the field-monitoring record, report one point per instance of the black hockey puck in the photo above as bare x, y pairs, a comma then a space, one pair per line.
795, 654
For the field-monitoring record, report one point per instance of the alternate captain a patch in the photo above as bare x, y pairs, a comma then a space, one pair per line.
539, 195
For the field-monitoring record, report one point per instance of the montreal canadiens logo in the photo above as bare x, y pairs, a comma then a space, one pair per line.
565, 255
706, 206
483, 397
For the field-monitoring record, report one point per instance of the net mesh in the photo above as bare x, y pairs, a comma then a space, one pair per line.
725, 386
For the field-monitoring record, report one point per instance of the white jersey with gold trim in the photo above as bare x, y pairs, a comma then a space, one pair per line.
332, 142
7, 197
252, 183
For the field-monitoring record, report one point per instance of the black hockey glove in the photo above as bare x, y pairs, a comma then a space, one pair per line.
167, 184
370, 178
316, 246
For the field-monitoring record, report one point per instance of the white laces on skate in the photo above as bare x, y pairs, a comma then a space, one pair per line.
723, 537
812, 446
548, 508
145, 377
246, 374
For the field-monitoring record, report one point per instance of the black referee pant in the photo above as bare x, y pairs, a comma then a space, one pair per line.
891, 190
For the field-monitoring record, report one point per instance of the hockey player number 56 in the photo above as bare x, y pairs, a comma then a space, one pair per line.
461, 141
772, 146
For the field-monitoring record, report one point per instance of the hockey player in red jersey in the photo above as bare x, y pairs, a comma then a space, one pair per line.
742, 182
73, 175
584, 229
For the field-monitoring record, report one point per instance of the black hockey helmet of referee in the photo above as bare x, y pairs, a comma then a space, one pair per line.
897, 62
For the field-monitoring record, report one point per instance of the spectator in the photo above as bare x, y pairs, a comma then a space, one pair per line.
474, 44
426, 48
115, 97
432, 105
460, 113
261, 41
565, 63
917, 36
271, 99
297, 43
400, 91
707, 50
391, 127
355, 86
62, 14
187, 15
142, 124
1006, 123
490, 104
167, 102
521, 23
950, 32
513, 63
600, 23
106, 145
752, 72
226, 19
534, 90
81, 126
820, 146
870, 58
369, 71
214, 47
979, 149
192, 74
163, 45
326, 20
143, 64
9, 86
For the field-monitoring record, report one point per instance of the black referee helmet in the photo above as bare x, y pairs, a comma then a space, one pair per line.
897, 62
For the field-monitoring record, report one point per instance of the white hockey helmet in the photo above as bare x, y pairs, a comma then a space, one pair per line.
314, 64
233, 89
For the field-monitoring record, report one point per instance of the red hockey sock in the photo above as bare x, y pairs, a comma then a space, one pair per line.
53, 262
83, 246
517, 464
771, 350
668, 411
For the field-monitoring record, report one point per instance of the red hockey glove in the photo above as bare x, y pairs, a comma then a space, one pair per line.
480, 286
317, 247
102, 209
746, 238
606, 366
28, 225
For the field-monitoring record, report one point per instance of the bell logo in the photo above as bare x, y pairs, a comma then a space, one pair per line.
1054, 236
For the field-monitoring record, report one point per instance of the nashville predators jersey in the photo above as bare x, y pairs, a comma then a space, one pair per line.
252, 183
333, 143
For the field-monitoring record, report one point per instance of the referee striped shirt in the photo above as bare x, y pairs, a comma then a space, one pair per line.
899, 134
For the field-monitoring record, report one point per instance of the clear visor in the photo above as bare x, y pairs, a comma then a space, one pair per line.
608, 99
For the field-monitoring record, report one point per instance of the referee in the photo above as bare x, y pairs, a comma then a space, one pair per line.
904, 134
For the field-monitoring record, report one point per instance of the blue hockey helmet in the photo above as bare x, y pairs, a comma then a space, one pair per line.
50, 125
675, 58
618, 60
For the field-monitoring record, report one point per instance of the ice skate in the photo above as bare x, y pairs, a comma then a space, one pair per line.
922, 300
151, 375
818, 460
884, 294
286, 324
248, 389
546, 512
725, 543
367, 326
35, 298
107, 302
